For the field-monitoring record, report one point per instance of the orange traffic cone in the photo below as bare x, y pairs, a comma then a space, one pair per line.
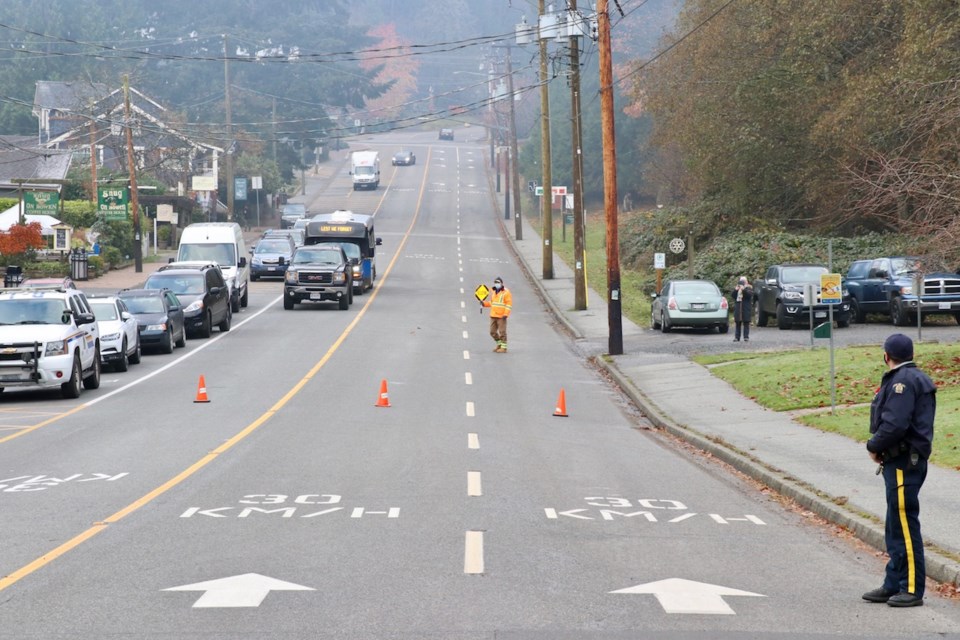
384, 399
561, 410
202, 391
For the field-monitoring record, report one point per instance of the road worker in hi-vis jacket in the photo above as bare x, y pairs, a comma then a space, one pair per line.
500, 304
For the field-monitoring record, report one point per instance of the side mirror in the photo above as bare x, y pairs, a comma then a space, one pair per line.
653, 295
85, 318
250, 250
215, 290
243, 262
170, 260
379, 241
125, 315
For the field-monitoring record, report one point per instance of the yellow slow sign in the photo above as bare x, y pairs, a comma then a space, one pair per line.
481, 292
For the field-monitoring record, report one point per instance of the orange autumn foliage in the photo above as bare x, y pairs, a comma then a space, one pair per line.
20, 238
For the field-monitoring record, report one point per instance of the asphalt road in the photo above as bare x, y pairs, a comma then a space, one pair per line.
291, 506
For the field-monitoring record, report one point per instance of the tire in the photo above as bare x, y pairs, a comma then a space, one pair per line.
206, 327
135, 356
182, 342
245, 298
762, 317
664, 324
783, 322
350, 296
288, 302
235, 304
167, 346
92, 381
856, 313
71, 388
897, 315
227, 322
653, 322
345, 302
723, 328
124, 363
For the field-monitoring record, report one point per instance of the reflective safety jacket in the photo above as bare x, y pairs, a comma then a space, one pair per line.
500, 303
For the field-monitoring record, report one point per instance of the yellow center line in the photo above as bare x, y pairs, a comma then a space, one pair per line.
97, 527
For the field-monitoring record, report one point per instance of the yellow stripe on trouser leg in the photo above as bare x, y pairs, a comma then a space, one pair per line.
904, 526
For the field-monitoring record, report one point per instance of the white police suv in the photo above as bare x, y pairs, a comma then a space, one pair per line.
48, 338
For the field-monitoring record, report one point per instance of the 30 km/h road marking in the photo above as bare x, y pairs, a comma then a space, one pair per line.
134, 506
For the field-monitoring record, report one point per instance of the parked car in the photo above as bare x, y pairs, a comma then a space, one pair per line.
780, 295
446, 134
689, 303
44, 283
48, 338
290, 213
886, 285
119, 332
298, 235
159, 317
270, 257
404, 158
318, 272
201, 290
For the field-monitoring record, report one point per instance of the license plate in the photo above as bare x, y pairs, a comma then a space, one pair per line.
314, 296
820, 314
11, 377
698, 305
945, 306
271, 268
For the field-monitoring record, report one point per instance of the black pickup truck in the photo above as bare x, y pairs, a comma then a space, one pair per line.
886, 285
318, 272
780, 295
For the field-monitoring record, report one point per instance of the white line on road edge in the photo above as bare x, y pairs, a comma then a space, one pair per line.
474, 487
473, 553
473, 441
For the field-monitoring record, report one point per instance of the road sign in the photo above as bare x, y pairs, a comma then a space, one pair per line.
538, 191
676, 595
203, 183
247, 590
256, 182
481, 292
677, 245
113, 203
659, 261
831, 289
558, 191
239, 188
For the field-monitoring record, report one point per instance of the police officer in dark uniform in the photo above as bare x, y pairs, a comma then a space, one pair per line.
901, 425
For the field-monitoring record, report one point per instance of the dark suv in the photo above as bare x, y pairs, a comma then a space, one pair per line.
201, 289
318, 272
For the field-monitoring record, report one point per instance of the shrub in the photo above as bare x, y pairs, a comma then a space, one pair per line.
112, 256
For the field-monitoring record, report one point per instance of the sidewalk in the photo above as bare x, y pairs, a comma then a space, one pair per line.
826, 473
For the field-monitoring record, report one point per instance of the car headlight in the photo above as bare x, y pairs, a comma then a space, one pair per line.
56, 348
845, 293
339, 277
290, 276
793, 295
157, 327
111, 336
356, 270
196, 305
906, 289
257, 261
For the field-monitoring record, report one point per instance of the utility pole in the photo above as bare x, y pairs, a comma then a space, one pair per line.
93, 161
546, 200
514, 157
229, 145
132, 169
274, 130
579, 271
614, 309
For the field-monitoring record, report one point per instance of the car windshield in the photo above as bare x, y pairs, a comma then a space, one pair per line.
803, 275
272, 246
144, 304
316, 256
364, 171
39, 311
906, 266
223, 253
181, 283
104, 310
291, 210
695, 289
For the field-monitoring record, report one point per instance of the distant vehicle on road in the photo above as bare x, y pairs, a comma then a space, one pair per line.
446, 134
886, 285
318, 272
201, 290
270, 257
119, 333
290, 213
159, 317
690, 303
298, 235
404, 158
365, 169
355, 232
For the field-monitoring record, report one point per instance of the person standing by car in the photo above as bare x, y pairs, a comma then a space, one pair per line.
500, 304
742, 309
901, 426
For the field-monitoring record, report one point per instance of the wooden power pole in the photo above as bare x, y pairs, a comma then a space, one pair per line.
132, 169
228, 160
579, 271
546, 200
614, 304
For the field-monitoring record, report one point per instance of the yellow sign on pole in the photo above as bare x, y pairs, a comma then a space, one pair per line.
481, 292
831, 289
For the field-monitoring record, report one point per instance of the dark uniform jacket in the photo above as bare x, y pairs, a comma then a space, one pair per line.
743, 309
902, 412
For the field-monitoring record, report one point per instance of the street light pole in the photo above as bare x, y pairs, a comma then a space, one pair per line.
132, 168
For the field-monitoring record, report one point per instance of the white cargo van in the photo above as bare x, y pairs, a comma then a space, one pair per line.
220, 242
365, 169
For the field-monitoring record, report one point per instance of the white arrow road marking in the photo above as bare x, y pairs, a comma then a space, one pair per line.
247, 590
686, 596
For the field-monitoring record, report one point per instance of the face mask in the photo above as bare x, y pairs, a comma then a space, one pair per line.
497, 287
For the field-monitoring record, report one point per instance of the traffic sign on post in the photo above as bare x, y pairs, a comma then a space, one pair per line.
831, 289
